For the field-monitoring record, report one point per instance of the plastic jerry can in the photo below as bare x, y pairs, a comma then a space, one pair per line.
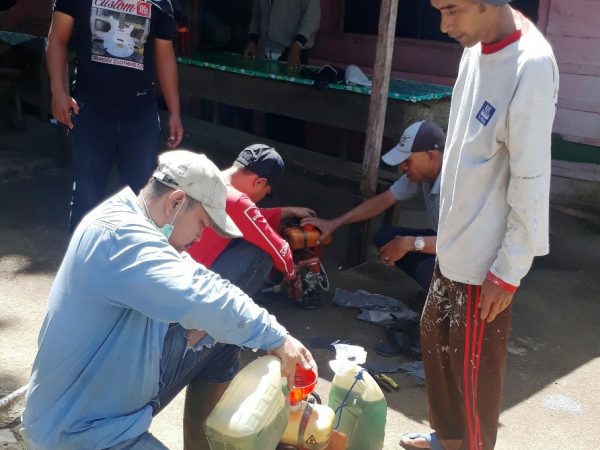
360, 409
309, 426
252, 414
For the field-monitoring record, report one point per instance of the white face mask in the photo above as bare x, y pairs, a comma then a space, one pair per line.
167, 229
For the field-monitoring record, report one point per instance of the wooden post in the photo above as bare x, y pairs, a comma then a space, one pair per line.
357, 245
192, 14
379, 96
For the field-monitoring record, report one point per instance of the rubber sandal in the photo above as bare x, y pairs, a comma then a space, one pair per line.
431, 438
388, 349
396, 344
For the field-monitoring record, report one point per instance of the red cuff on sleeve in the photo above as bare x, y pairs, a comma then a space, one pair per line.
511, 289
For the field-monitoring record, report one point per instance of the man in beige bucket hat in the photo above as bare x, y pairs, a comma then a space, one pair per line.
113, 348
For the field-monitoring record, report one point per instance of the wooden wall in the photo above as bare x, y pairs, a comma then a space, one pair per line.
428, 61
28, 16
571, 26
573, 29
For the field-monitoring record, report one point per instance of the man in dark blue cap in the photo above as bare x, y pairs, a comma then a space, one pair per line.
246, 261
255, 174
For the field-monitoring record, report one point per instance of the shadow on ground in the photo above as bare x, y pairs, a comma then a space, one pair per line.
554, 332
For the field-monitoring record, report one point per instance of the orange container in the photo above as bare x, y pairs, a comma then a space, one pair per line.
304, 383
338, 441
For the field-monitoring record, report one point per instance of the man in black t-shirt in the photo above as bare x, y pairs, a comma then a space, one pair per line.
112, 115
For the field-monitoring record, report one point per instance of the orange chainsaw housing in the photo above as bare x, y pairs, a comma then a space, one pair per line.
305, 237
307, 251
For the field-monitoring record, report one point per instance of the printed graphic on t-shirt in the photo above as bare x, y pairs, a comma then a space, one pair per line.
120, 30
485, 113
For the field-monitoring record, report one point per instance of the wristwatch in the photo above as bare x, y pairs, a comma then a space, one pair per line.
419, 244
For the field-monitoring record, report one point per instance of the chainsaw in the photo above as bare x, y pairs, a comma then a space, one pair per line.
311, 279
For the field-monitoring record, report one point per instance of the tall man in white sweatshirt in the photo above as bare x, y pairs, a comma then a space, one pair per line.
493, 215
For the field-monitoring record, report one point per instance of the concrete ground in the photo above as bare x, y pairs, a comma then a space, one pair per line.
551, 395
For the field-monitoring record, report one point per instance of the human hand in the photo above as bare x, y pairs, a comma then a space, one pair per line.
175, 131
395, 249
293, 352
250, 50
294, 284
62, 105
327, 227
301, 212
493, 300
293, 58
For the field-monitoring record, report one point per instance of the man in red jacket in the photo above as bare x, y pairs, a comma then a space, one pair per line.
255, 174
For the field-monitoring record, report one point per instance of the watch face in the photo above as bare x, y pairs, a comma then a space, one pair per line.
419, 244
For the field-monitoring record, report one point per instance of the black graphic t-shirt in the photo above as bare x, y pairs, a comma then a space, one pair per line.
114, 41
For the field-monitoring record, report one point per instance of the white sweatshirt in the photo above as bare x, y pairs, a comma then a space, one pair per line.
496, 171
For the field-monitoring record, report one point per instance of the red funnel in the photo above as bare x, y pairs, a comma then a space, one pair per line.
304, 383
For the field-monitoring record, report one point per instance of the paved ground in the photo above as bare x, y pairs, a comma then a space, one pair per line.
552, 391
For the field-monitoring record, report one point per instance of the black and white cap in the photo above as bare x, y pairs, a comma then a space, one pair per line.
418, 137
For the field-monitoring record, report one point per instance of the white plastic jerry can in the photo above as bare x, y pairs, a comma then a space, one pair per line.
309, 426
252, 414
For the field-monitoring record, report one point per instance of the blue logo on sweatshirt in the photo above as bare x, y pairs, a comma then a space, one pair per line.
485, 113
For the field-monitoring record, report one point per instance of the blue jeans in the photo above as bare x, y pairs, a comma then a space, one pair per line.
180, 365
246, 266
100, 139
144, 441
419, 266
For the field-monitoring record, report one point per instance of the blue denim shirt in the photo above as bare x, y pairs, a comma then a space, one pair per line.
119, 286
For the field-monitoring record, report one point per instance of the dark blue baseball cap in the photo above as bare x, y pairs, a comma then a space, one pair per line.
264, 161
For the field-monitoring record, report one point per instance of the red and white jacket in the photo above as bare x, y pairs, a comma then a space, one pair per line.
258, 226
